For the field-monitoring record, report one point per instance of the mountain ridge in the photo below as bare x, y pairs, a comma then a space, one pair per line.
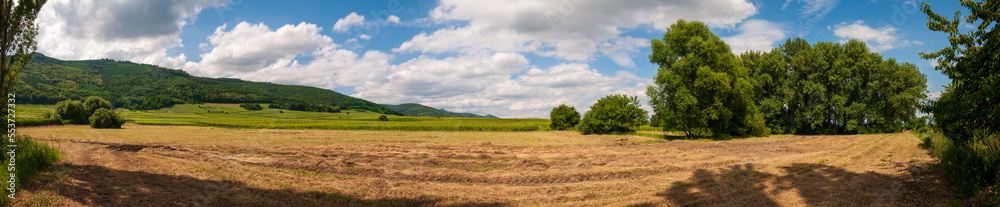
414, 109
46, 80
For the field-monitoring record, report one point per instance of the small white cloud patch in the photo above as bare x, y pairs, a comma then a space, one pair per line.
345, 23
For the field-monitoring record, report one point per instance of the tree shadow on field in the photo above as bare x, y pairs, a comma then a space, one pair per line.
816, 184
93, 185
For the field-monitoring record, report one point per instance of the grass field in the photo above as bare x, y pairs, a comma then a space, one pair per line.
143, 165
232, 116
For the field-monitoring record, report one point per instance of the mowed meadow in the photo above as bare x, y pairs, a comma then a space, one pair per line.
222, 155
143, 165
232, 116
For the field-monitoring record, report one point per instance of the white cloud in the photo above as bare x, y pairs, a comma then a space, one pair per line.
345, 23
138, 31
814, 10
878, 40
933, 62
500, 83
622, 51
441, 83
231, 55
570, 30
393, 19
759, 35
365, 36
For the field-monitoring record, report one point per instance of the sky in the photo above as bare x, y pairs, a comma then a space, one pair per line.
512, 59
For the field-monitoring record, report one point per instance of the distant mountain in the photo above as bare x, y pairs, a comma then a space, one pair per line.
130, 85
412, 109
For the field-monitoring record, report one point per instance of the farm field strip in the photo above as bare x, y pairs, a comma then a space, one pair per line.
224, 166
229, 116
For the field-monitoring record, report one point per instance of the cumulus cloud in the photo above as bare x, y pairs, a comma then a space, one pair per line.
570, 30
345, 23
139, 31
878, 40
232, 55
759, 35
393, 19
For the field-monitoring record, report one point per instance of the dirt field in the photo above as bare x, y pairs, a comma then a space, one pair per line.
202, 166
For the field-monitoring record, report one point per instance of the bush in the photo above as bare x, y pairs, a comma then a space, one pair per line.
93, 103
251, 106
613, 114
32, 158
106, 118
72, 110
564, 117
383, 118
975, 166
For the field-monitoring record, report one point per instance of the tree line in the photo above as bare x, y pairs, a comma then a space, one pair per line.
704, 90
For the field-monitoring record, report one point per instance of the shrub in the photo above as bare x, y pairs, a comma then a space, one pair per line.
613, 114
564, 117
93, 103
383, 118
72, 110
975, 165
251, 106
32, 158
106, 118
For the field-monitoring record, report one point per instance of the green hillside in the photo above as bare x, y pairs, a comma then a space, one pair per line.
412, 109
134, 86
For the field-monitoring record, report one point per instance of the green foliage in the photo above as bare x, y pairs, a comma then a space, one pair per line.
302, 106
613, 114
32, 158
93, 103
969, 109
701, 88
833, 88
975, 166
564, 117
106, 119
18, 40
251, 106
383, 118
72, 110
40, 122
971, 104
412, 109
146, 87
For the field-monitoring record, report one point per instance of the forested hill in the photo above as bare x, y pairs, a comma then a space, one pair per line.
412, 109
48, 80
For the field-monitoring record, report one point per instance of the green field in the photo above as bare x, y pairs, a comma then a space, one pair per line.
236, 117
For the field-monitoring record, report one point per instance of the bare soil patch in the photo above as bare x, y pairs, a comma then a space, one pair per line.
220, 167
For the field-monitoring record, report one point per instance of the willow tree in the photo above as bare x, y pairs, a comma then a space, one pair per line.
17, 39
701, 87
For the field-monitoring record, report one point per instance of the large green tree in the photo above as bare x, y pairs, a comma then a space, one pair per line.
564, 117
701, 87
971, 104
17, 39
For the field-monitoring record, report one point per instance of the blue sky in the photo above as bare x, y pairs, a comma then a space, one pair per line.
507, 58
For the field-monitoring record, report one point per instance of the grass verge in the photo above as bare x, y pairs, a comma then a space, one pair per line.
30, 159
